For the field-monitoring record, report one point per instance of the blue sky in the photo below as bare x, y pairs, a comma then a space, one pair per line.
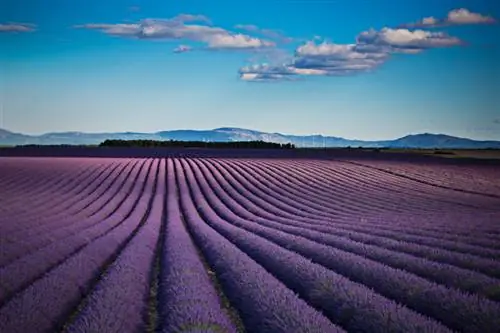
367, 69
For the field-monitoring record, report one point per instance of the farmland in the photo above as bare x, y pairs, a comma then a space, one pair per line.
211, 242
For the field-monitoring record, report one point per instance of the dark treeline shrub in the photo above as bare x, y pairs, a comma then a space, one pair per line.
197, 144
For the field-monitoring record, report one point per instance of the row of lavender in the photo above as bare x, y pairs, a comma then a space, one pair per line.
287, 254
479, 178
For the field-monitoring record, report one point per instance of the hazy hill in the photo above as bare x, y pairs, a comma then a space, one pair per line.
225, 134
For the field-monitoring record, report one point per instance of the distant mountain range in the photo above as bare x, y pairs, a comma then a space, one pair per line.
425, 140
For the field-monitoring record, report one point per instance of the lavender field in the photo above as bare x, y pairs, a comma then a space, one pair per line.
222, 244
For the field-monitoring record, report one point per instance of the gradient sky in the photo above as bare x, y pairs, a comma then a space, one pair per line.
366, 69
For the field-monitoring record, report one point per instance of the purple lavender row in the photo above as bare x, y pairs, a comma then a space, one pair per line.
17, 200
53, 197
20, 213
56, 182
367, 188
291, 205
67, 202
45, 305
76, 203
305, 199
346, 303
73, 205
345, 215
267, 194
439, 235
410, 186
405, 173
10, 171
37, 203
21, 272
464, 178
188, 300
22, 170
468, 200
373, 176
337, 200
34, 175
370, 220
281, 199
119, 300
335, 187
487, 266
52, 229
457, 310
448, 234
300, 186
441, 273
408, 183
264, 304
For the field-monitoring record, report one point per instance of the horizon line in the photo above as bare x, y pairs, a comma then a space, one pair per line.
254, 130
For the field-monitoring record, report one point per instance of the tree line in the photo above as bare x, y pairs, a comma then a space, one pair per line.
197, 144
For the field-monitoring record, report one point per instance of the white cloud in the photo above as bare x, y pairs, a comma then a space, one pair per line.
464, 16
176, 29
406, 41
16, 27
371, 50
315, 60
337, 51
236, 41
325, 49
329, 58
459, 16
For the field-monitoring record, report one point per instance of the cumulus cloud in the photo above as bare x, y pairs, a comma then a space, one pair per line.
459, 16
17, 27
406, 41
238, 41
464, 16
325, 59
372, 49
338, 59
269, 33
215, 38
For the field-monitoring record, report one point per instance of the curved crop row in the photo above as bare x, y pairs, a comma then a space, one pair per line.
349, 304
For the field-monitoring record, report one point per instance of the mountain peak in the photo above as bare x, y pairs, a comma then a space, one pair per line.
235, 129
